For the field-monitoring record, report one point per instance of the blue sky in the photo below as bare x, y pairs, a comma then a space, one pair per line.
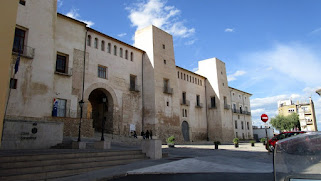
271, 48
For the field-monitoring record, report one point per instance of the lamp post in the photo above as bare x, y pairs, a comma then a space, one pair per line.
103, 121
81, 103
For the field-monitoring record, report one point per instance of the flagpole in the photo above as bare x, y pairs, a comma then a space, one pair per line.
10, 85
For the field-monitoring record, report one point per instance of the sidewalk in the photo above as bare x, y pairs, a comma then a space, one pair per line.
193, 159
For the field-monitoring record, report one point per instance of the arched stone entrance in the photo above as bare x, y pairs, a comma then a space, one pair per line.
101, 107
185, 130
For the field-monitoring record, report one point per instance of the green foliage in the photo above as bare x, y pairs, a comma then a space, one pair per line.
252, 141
171, 139
287, 123
262, 140
235, 140
217, 142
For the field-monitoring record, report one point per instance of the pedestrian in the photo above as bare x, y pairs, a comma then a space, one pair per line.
135, 135
147, 134
151, 134
142, 134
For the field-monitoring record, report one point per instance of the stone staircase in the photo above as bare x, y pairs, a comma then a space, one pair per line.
42, 165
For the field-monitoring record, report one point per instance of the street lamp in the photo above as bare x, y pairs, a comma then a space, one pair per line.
103, 121
81, 103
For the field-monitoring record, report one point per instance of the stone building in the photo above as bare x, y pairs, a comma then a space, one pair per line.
130, 87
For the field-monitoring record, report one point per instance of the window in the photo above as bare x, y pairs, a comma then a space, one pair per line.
13, 83
103, 45
164, 61
22, 2
213, 103
198, 81
185, 113
225, 101
193, 79
243, 136
121, 52
184, 97
242, 124
62, 63
241, 109
167, 103
96, 43
235, 124
177, 74
19, 39
198, 100
234, 107
109, 48
236, 134
166, 84
238, 116
248, 125
115, 50
163, 46
184, 76
133, 82
131, 56
126, 54
201, 82
61, 108
89, 40
181, 75
102, 71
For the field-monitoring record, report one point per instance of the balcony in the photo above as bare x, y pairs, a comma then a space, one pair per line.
212, 106
236, 111
185, 102
247, 112
226, 106
134, 88
26, 51
168, 90
309, 122
199, 105
67, 72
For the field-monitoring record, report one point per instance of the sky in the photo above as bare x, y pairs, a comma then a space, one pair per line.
271, 48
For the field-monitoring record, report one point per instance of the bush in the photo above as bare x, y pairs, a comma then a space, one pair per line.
217, 142
171, 139
262, 140
252, 141
235, 140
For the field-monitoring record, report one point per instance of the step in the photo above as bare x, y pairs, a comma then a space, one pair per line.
35, 163
65, 155
58, 173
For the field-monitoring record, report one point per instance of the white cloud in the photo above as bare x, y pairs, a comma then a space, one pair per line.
288, 61
156, 12
122, 34
229, 30
261, 102
236, 74
73, 13
59, 3
191, 42
316, 31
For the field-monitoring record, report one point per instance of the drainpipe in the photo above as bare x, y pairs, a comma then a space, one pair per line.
83, 72
206, 111
143, 107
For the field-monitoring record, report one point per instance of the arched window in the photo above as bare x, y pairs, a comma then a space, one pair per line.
96, 43
126, 54
121, 52
131, 56
115, 50
89, 40
109, 48
103, 45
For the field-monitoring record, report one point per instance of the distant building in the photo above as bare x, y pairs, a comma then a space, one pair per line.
132, 88
305, 110
259, 132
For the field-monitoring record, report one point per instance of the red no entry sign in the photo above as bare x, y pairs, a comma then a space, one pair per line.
264, 117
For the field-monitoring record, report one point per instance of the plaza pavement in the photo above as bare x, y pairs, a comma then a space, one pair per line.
194, 159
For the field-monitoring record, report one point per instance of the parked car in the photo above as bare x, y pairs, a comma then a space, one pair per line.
281, 136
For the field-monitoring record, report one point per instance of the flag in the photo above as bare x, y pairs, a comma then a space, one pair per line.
16, 66
54, 108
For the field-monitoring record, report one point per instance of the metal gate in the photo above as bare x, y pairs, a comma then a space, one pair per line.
185, 130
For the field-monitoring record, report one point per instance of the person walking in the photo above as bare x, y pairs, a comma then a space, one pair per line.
142, 134
151, 134
147, 134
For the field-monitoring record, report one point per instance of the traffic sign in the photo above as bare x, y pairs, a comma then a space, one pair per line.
264, 118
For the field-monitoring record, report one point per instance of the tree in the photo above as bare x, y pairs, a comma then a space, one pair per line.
287, 123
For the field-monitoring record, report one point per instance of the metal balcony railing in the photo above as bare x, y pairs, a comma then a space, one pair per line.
226, 106
26, 51
185, 102
199, 105
168, 90
67, 72
134, 88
